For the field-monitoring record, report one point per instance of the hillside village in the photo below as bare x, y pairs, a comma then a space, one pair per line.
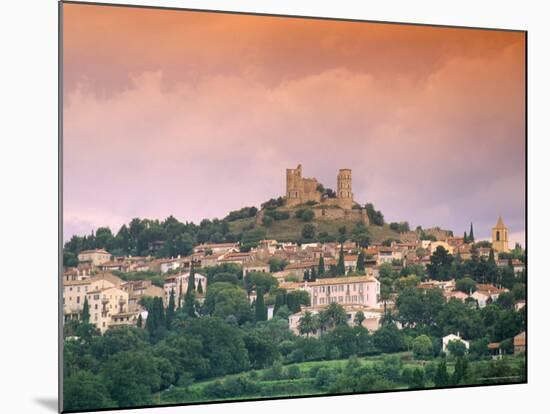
347, 272
166, 312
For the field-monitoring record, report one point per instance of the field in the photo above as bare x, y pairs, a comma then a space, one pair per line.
308, 382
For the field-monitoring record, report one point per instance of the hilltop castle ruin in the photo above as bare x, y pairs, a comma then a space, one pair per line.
301, 190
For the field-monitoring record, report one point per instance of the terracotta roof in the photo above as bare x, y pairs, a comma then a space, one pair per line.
343, 280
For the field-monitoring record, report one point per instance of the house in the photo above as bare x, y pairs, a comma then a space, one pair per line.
167, 265
94, 257
444, 285
350, 262
517, 265
495, 350
137, 289
371, 321
178, 283
255, 266
456, 294
216, 248
238, 258
486, 294
453, 337
357, 290
114, 265
105, 304
519, 343
81, 272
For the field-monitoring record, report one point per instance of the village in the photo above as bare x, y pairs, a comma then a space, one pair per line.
342, 272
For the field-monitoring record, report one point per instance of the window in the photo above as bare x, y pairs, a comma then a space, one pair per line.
78, 299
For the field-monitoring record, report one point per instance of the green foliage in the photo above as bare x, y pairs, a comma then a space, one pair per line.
388, 338
70, 259
260, 280
375, 217
440, 264
243, 213
401, 227
466, 285
260, 308
441, 377
85, 391
456, 348
85, 316
308, 232
422, 347
223, 299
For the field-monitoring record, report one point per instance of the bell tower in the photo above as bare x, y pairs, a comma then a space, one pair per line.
500, 237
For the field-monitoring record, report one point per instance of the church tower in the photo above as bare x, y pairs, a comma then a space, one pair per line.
500, 237
344, 193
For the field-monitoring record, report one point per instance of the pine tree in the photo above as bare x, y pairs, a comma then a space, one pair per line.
471, 236
139, 322
321, 266
340, 267
171, 309
85, 317
261, 310
199, 287
361, 261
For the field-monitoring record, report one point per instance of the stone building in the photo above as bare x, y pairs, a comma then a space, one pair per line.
301, 190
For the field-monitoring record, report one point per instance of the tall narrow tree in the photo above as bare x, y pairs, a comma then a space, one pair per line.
321, 266
171, 309
341, 267
139, 322
465, 238
471, 236
361, 261
312, 275
199, 287
85, 311
261, 310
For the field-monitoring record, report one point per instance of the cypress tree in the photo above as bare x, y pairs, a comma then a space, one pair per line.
306, 275
189, 304
441, 378
261, 310
191, 280
321, 266
199, 287
361, 261
85, 311
471, 236
491, 260
465, 238
312, 275
340, 267
171, 309
139, 322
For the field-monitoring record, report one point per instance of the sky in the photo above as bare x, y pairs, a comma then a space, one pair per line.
195, 114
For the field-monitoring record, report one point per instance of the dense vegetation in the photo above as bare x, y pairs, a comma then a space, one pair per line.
225, 348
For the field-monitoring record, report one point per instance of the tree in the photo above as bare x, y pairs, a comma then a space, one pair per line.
308, 324
375, 217
308, 215
333, 315
170, 310
199, 287
261, 310
440, 264
359, 318
466, 285
321, 266
308, 231
456, 348
461, 371
422, 347
85, 391
340, 266
441, 378
471, 238
361, 261
139, 322
224, 299
491, 259
85, 311
388, 338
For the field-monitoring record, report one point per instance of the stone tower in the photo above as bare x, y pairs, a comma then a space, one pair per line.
300, 190
344, 193
500, 237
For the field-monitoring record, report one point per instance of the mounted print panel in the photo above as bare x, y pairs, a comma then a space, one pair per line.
258, 207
